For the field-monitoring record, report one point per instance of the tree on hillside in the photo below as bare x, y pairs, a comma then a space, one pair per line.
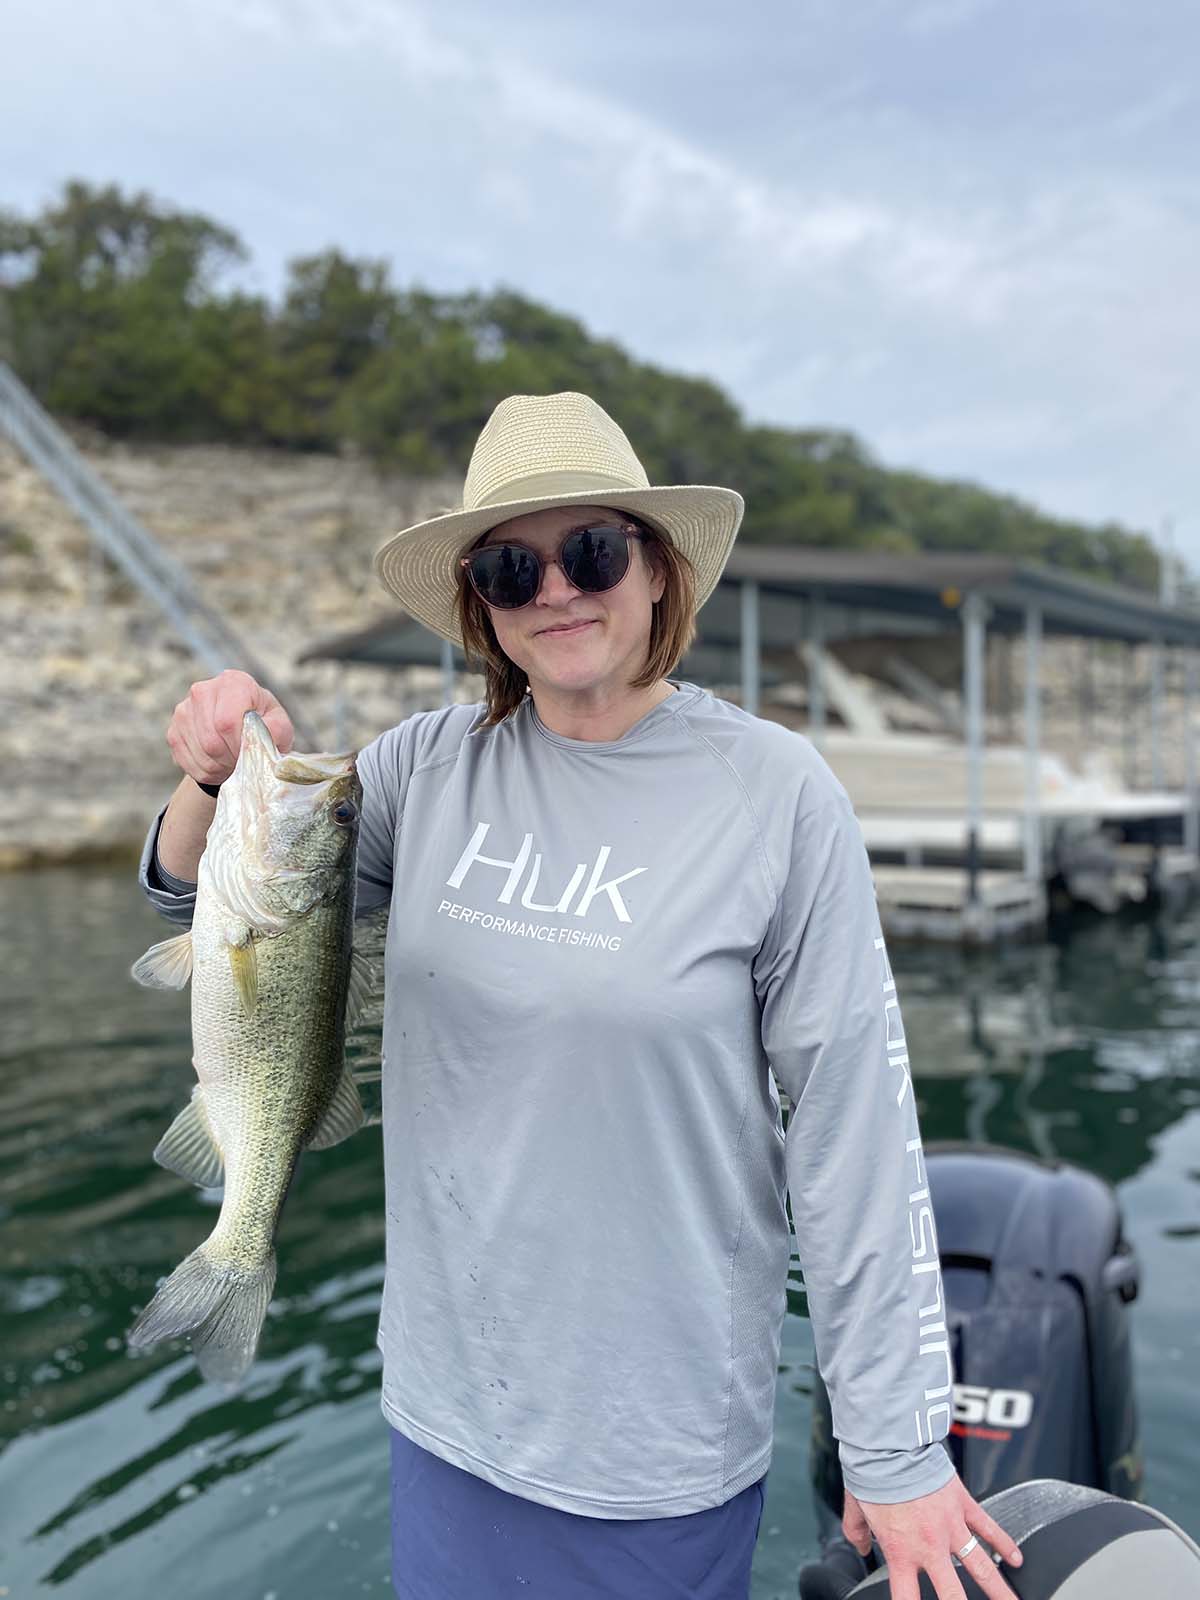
100, 297
112, 310
336, 315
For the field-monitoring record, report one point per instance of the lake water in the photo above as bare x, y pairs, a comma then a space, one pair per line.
126, 1477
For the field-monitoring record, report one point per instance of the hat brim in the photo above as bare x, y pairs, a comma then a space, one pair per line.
419, 565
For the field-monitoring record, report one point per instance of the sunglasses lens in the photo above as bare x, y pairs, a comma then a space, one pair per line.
508, 575
505, 575
596, 559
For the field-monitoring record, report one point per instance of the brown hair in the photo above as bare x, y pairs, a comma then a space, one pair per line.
672, 627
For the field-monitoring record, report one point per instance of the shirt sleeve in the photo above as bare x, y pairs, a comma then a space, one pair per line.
384, 766
171, 897
832, 1032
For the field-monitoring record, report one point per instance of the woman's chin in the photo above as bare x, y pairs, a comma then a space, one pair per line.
569, 677
569, 666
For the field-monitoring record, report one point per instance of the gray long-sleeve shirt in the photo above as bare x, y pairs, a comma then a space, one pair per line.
597, 956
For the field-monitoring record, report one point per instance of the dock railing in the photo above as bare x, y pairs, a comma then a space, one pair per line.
129, 545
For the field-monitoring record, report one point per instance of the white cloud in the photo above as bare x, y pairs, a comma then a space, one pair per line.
847, 214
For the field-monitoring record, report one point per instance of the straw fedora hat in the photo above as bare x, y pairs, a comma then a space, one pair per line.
551, 450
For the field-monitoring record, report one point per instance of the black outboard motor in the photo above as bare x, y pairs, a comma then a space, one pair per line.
1037, 1277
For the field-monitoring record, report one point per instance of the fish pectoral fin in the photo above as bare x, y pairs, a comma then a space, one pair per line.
243, 963
344, 1116
167, 965
362, 984
189, 1146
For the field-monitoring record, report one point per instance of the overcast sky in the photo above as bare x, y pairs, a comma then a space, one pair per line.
969, 230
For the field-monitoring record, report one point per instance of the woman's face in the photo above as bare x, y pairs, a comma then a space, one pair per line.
566, 641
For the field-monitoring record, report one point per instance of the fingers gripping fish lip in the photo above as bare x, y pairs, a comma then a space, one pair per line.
263, 779
259, 750
271, 809
257, 740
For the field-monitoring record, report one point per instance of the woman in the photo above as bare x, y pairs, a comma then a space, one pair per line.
620, 908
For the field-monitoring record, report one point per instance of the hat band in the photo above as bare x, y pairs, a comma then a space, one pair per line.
545, 485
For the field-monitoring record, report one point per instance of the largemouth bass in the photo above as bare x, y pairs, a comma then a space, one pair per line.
273, 978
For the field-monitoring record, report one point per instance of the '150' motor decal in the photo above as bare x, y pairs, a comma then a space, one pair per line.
989, 1413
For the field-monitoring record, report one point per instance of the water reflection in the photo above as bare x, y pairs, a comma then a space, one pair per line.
122, 1475
1085, 1049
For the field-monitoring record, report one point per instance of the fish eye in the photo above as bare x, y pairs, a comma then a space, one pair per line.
344, 813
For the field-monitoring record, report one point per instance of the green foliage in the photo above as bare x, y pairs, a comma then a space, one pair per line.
111, 310
105, 302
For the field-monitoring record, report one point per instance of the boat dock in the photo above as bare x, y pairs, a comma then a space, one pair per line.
937, 903
968, 840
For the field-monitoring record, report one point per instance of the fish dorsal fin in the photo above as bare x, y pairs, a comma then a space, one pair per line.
344, 1116
243, 963
189, 1146
362, 983
167, 965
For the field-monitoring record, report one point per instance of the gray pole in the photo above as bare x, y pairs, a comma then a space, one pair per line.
447, 673
1157, 652
816, 667
974, 613
1033, 787
751, 670
1128, 719
1004, 683
1191, 817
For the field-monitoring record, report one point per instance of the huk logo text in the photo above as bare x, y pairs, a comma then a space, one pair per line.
598, 888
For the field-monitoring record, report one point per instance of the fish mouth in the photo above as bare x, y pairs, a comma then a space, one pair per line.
260, 750
293, 784
314, 769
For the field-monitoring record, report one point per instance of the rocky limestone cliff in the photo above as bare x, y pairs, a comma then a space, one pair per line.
90, 671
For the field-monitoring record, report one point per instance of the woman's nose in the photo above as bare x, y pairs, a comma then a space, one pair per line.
555, 586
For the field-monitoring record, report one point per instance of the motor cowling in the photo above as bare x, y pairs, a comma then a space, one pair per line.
1076, 1544
1038, 1277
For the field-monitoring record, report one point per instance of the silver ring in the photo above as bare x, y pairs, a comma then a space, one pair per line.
967, 1548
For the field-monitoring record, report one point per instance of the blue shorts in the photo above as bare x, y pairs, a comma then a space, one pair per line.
456, 1537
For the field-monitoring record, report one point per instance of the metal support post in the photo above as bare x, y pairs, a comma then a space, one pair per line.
1157, 654
816, 667
1191, 817
447, 673
974, 617
1004, 684
1129, 720
1033, 785
751, 661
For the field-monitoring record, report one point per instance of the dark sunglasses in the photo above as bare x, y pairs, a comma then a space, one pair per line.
593, 559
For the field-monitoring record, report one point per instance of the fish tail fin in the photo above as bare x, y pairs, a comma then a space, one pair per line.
220, 1308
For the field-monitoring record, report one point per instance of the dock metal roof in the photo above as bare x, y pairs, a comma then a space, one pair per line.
402, 641
934, 584
928, 588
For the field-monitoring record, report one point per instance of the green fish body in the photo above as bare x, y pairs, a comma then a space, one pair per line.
273, 976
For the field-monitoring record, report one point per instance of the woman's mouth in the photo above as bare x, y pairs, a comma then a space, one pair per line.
568, 629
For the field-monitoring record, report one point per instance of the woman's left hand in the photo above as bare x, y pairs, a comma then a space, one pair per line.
926, 1534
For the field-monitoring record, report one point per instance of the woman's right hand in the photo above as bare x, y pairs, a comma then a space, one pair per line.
205, 732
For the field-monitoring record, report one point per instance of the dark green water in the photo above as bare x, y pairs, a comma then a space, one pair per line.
122, 1477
